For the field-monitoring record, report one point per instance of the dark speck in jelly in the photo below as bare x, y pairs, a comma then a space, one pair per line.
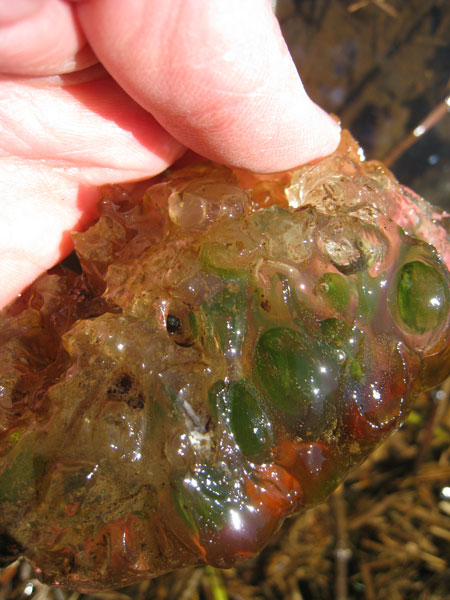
173, 323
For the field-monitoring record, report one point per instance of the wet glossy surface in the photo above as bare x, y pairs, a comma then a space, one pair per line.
234, 345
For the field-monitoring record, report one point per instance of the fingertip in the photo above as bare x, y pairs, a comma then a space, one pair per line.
314, 135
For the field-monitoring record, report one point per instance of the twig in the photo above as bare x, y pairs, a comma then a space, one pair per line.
342, 551
191, 585
368, 583
384, 6
425, 125
216, 584
440, 400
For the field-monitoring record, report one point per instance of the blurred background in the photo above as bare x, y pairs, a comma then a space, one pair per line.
382, 66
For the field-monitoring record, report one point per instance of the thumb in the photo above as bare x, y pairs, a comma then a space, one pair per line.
216, 74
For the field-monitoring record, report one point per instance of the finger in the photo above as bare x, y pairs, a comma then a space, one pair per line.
216, 74
41, 37
39, 207
93, 129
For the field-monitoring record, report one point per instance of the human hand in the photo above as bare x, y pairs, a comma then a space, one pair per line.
103, 91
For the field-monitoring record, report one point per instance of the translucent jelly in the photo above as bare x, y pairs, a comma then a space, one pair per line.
233, 345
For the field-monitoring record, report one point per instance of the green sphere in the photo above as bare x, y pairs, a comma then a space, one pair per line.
422, 297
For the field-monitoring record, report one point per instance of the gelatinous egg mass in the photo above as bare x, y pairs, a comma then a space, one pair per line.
229, 347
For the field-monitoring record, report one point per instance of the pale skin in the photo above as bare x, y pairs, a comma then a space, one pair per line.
104, 91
